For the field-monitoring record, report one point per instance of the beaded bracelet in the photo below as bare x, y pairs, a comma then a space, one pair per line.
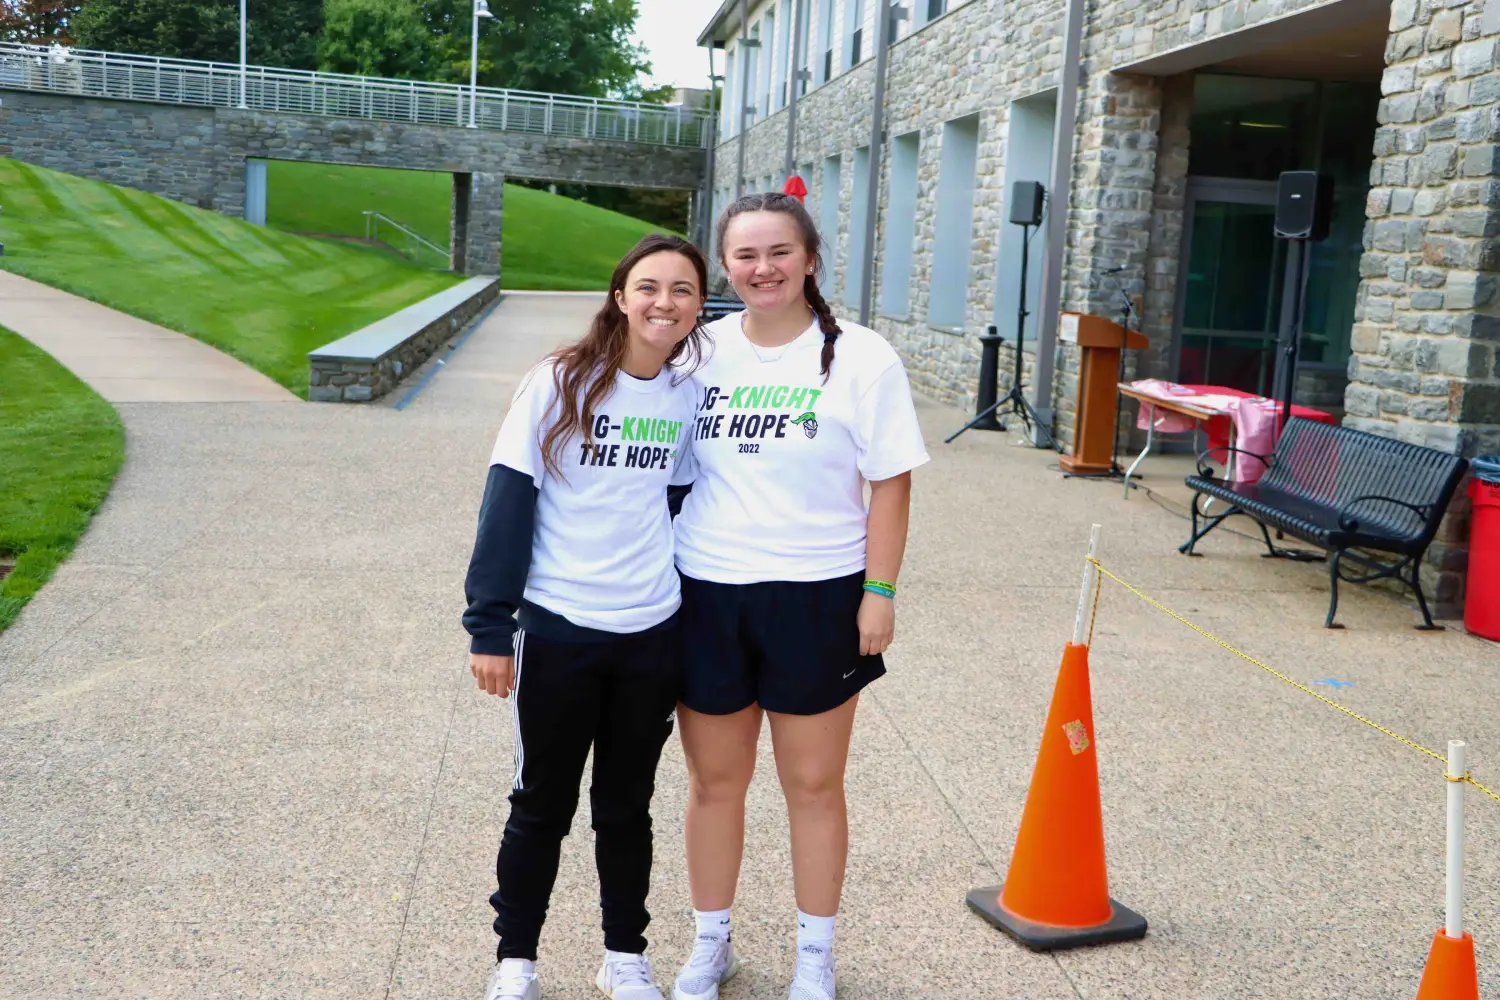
881, 587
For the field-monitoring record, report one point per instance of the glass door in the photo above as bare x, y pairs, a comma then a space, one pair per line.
1229, 297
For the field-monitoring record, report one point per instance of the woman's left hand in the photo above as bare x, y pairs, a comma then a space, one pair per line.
877, 624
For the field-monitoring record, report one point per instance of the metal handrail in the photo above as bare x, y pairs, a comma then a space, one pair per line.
163, 80
373, 221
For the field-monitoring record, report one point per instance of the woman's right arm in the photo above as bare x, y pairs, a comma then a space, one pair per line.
496, 581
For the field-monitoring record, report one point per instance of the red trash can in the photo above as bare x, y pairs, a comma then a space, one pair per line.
1482, 604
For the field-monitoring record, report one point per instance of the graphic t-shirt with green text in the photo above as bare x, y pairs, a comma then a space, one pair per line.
782, 456
602, 547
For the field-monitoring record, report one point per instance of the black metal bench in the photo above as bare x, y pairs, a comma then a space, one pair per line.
1342, 490
719, 306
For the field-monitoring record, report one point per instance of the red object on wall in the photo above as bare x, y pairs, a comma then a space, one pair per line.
1482, 603
795, 187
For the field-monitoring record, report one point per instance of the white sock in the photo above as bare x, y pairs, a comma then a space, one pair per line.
525, 966
815, 930
713, 922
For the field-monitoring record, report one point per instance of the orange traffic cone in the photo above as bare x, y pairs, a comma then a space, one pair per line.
1450, 972
1056, 894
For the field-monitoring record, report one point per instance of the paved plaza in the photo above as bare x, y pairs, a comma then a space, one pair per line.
241, 754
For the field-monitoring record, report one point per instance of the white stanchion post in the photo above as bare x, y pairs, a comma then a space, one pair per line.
1080, 623
1456, 769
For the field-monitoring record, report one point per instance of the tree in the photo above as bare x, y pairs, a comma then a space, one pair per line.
374, 38
37, 22
279, 32
558, 46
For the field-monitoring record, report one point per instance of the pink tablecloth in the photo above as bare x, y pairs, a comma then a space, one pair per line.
1252, 420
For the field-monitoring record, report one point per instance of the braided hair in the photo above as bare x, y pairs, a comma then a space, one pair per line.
786, 204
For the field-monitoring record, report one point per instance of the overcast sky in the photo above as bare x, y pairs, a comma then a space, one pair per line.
669, 30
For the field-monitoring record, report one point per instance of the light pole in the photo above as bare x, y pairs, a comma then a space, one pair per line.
242, 55
481, 9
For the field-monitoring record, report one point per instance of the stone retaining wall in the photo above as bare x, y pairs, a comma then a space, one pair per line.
336, 378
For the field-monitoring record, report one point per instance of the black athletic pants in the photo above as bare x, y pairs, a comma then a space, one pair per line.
620, 697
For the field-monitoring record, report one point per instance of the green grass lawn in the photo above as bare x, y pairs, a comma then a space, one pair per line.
60, 447
264, 296
548, 241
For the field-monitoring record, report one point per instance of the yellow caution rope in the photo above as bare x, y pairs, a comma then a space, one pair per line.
1274, 673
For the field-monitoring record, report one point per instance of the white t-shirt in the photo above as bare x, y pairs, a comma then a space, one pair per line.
601, 554
783, 458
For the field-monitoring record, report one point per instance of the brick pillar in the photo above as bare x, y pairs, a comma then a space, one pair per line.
1423, 362
1110, 218
478, 211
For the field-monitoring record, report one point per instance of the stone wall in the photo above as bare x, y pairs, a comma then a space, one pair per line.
973, 60
349, 377
1427, 319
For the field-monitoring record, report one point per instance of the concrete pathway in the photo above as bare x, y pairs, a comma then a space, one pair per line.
125, 359
241, 755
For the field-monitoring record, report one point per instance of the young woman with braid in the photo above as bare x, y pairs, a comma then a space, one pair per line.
788, 574
573, 598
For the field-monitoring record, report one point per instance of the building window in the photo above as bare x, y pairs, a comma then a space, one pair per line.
953, 226
828, 40
784, 54
804, 29
768, 64
753, 78
854, 27
936, 9
828, 222
726, 98
854, 287
900, 227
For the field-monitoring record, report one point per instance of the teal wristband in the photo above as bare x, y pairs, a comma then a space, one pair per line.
883, 589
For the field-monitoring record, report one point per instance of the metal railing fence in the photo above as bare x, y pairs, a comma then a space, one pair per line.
90, 73
404, 240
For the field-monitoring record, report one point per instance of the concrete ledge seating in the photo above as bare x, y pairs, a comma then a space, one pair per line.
368, 363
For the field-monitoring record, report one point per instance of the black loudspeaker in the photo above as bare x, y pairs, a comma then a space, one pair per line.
1026, 203
1304, 205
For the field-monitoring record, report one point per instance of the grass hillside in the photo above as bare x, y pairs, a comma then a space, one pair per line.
548, 242
60, 447
263, 296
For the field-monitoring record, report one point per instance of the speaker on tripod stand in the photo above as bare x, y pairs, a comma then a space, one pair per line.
1027, 206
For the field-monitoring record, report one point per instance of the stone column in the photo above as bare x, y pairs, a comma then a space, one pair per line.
1422, 367
1110, 220
458, 235
478, 208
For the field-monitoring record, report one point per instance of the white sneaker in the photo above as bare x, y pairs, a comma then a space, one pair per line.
712, 964
514, 979
814, 977
627, 977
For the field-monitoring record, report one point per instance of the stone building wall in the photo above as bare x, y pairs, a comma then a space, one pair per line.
960, 64
1427, 320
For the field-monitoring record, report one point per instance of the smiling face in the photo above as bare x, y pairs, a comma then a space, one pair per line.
661, 301
767, 260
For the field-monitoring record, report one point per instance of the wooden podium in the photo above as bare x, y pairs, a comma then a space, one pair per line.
1102, 342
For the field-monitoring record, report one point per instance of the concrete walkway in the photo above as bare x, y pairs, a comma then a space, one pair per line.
125, 359
241, 755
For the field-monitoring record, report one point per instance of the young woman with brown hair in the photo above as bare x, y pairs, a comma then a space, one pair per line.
573, 603
788, 576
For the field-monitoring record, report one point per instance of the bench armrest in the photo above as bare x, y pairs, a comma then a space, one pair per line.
1347, 521
1206, 472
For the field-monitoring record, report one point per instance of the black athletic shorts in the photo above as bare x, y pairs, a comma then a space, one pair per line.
791, 647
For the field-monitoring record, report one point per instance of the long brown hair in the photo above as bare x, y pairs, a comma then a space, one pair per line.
584, 372
787, 205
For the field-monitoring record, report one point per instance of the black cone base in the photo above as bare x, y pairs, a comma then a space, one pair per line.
1124, 924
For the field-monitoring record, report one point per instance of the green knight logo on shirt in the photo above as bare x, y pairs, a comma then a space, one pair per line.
774, 408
